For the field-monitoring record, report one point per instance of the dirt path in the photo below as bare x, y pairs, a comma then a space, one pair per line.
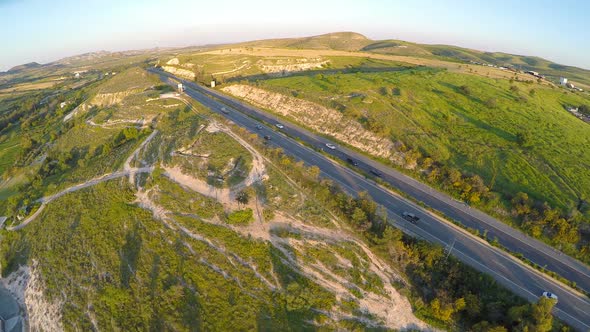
127, 171
127, 166
139, 123
307, 53
162, 214
225, 196
390, 307
233, 70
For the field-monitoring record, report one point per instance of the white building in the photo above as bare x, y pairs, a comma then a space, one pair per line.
563, 81
77, 75
63, 104
180, 87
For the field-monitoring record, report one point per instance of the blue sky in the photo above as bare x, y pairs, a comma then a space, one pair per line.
44, 31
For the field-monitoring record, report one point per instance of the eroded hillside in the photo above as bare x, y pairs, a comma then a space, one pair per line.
187, 224
137, 209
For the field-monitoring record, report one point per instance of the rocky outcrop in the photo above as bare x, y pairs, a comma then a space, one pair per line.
324, 120
107, 99
27, 287
285, 69
179, 72
173, 61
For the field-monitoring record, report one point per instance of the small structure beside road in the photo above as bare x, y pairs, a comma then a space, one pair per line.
563, 81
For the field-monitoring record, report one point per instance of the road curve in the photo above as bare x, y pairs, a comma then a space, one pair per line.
573, 307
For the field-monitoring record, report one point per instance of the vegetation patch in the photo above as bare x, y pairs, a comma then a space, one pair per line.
240, 217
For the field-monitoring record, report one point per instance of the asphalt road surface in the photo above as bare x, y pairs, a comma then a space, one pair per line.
573, 307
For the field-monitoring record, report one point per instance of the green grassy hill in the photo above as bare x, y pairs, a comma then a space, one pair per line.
473, 132
345, 41
548, 68
350, 41
190, 223
516, 136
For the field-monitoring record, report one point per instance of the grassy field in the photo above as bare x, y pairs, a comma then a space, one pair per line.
157, 255
215, 157
432, 55
477, 133
131, 79
9, 149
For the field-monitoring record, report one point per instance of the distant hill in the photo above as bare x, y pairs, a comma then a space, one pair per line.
344, 41
17, 69
455, 53
351, 41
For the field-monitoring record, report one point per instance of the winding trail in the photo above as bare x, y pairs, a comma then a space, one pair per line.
127, 171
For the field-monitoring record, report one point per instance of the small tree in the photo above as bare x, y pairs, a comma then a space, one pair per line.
584, 109
243, 197
524, 138
492, 103
359, 217
541, 315
464, 89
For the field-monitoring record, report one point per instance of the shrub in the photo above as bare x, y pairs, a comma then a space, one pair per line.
240, 217
492, 103
464, 89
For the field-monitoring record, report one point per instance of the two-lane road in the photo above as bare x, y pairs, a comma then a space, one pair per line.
573, 307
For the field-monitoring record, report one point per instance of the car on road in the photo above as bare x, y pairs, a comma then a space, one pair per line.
224, 110
331, 146
280, 126
410, 217
259, 127
375, 172
266, 137
550, 296
352, 161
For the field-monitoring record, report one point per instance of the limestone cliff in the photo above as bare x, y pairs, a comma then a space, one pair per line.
319, 118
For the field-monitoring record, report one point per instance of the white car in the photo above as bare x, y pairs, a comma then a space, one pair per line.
550, 296
331, 146
280, 126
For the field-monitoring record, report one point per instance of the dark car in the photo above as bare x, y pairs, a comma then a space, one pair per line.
266, 137
375, 172
352, 161
410, 217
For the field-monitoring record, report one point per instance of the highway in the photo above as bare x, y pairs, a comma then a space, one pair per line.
573, 307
